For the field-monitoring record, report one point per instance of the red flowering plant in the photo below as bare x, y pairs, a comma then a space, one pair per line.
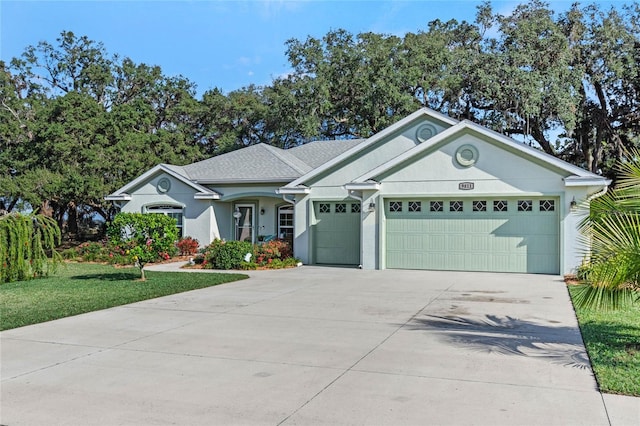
268, 252
188, 246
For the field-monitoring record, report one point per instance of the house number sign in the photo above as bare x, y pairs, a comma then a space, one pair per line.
465, 186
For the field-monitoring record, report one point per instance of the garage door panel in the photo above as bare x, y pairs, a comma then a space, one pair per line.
336, 233
502, 241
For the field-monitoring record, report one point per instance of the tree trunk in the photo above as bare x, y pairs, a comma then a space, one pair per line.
72, 219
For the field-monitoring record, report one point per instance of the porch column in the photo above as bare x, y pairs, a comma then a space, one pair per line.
370, 230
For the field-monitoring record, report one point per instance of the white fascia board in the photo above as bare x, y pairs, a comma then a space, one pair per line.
573, 181
118, 197
297, 190
373, 139
362, 186
206, 196
161, 168
246, 180
530, 151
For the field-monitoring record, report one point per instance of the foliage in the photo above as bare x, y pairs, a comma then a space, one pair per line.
232, 255
612, 228
187, 246
25, 241
226, 254
149, 236
77, 122
268, 252
84, 287
612, 340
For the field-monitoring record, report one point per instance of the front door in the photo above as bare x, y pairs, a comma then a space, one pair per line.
244, 217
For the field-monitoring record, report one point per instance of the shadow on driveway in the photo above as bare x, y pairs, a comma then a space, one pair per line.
509, 336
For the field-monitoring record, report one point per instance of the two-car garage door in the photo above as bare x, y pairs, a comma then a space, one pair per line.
484, 234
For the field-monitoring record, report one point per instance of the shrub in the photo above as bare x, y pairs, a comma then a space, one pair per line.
188, 246
268, 252
226, 254
93, 252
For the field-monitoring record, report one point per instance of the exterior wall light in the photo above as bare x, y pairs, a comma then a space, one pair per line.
237, 215
573, 205
262, 211
372, 207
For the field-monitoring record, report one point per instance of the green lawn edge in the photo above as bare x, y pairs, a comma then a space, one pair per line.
612, 340
78, 288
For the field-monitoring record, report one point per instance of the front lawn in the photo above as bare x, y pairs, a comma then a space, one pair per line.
613, 343
82, 287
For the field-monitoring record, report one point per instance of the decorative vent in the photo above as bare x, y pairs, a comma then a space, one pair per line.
467, 155
163, 185
424, 132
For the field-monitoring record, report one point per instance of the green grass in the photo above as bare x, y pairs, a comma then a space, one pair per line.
612, 339
81, 287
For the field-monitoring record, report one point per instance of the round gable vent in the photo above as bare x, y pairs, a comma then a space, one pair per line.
467, 155
163, 185
425, 132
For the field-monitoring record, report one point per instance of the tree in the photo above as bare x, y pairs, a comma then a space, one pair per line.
25, 241
77, 123
148, 236
612, 229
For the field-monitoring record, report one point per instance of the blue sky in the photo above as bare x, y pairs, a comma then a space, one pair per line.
225, 44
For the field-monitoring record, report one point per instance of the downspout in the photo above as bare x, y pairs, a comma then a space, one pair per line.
353, 195
598, 194
292, 202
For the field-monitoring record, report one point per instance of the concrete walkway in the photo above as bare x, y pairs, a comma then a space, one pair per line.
316, 346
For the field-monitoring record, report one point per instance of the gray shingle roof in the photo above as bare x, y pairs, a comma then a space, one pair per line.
317, 153
264, 163
256, 163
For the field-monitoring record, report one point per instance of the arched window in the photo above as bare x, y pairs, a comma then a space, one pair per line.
175, 212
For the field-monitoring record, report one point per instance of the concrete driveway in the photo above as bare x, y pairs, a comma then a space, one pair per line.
314, 346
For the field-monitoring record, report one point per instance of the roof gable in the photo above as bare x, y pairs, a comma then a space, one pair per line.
502, 141
406, 122
201, 191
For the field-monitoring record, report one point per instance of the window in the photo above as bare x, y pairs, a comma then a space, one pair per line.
479, 206
341, 208
325, 208
525, 205
415, 206
547, 205
500, 206
436, 206
456, 206
355, 208
285, 223
175, 212
395, 206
